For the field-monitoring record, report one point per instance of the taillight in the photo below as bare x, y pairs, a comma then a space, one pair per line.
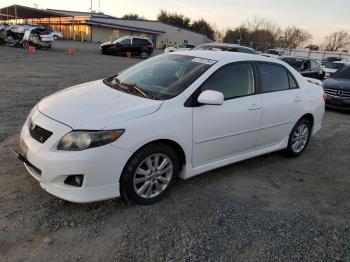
149, 46
325, 97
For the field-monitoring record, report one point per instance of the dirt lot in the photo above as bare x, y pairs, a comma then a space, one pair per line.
270, 208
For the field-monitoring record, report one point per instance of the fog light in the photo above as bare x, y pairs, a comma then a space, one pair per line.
74, 180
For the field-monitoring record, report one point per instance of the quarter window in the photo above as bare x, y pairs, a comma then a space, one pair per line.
273, 77
292, 83
233, 80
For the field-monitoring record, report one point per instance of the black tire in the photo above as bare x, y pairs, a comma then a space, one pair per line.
25, 44
144, 55
290, 150
55, 37
127, 178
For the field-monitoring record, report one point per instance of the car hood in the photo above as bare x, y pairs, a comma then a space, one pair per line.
106, 44
94, 105
333, 83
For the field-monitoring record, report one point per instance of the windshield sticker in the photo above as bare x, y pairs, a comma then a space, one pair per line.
204, 61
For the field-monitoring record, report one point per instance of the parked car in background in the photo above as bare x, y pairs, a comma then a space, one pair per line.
305, 66
175, 115
273, 53
180, 47
226, 47
25, 35
332, 67
331, 59
337, 89
136, 45
55, 34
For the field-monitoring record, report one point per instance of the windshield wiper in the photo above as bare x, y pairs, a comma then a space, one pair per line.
143, 93
128, 87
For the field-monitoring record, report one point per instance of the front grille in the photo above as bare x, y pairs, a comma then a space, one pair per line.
337, 92
38, 133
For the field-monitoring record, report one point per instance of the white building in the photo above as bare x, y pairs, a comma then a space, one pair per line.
161, 34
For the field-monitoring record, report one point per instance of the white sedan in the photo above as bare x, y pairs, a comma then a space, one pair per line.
181, 47
174, 115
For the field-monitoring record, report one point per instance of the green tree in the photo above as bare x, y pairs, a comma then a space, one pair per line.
203, 27
132, 16
174, 19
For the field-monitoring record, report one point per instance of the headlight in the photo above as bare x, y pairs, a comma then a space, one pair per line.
81, 140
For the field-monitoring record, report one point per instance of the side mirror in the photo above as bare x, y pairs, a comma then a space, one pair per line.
211, 97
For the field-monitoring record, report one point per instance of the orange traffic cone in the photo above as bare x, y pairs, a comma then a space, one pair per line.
71, 51
31, 49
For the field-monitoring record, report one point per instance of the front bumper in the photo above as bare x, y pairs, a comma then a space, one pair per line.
101, 166
337, 102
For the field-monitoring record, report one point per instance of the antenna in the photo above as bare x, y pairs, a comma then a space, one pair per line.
35, 5
99, 6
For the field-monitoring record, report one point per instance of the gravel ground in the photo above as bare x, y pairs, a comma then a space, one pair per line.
271, 208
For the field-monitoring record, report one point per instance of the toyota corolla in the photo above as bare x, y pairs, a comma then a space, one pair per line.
173, 116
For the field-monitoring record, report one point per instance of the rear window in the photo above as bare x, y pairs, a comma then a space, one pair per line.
139, 41
273, 77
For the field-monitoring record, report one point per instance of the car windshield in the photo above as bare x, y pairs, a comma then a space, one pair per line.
272, 52
333, 65
293, 62
343, 73
161, 77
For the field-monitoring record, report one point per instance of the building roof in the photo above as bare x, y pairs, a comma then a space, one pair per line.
78, 13
119, 26
156, 21
24, 12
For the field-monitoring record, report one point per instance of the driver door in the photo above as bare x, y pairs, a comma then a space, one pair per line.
123, 46
230, 129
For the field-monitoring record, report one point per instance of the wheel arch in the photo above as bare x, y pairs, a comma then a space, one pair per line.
309, 117
174, 145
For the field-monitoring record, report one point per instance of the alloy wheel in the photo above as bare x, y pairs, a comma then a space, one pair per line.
153, 175
300, 138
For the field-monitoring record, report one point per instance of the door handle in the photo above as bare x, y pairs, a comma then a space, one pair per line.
298, 99
254, 107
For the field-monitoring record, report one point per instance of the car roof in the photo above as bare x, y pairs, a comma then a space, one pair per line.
227, 57
295, 57
341, 62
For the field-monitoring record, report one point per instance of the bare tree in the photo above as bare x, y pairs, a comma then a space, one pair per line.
337, 41
294, 37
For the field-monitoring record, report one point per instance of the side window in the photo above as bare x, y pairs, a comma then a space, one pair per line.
234, 49
126, 41
233, 80
273, 77
307, 65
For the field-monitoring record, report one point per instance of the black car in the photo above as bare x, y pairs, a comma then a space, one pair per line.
337, 89
305, 66
331, 59
227, 47
136, 46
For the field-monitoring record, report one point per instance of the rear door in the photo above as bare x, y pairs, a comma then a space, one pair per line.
282, 102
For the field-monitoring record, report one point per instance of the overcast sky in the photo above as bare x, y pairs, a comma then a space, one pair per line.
320, 17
